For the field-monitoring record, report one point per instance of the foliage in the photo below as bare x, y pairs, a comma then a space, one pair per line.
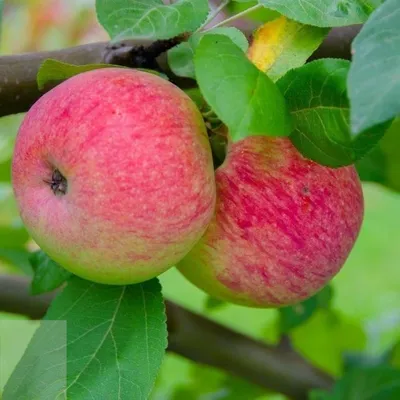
324, 12
150, 19
335, 112
115, 342
316, 96
374, 82
380, 383
54, 71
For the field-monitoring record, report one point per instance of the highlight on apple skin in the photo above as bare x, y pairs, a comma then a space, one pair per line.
113, 175
283, 226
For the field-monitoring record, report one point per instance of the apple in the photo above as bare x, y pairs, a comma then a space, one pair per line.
283, 226
113, 175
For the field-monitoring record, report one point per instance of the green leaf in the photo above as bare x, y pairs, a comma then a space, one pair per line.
324, 13
242, 96
294, 316
382, 164
316, 97
12, 231
374, 77
48, 275
115, 342
283, 44
377, 383
53, 71
150, 19
180, 58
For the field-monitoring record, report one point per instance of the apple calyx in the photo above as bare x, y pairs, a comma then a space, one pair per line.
58, 184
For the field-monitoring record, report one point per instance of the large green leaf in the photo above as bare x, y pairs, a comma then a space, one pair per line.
374, 77
115, 342
316, 97
150, 19
48, 275
324, 12
242, 96
382, 164
15, 333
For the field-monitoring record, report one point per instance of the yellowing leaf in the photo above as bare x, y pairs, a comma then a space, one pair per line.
283, 44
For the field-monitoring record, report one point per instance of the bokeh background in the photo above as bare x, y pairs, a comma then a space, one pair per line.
364, 317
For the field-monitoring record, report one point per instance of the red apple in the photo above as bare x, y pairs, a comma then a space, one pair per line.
113, 175
283, 227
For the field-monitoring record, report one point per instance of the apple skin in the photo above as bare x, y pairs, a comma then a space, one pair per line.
140, 180
283, 226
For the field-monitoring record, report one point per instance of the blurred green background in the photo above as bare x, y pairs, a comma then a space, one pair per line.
365, 311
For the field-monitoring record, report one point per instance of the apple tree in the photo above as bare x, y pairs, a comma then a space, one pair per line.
178, 200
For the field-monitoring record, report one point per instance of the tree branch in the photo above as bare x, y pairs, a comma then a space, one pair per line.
18, 89
277, 368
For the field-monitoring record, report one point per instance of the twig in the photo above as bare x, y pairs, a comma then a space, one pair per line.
277, 368
236, 16
18, 89
214, 14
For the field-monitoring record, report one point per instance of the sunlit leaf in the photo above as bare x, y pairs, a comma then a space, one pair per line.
283, 44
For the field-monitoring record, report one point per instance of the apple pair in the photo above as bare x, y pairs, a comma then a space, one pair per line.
114, 179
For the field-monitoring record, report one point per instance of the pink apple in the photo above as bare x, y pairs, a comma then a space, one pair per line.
113, 175
283, 226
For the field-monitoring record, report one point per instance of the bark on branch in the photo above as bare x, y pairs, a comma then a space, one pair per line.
277, 368
18, 89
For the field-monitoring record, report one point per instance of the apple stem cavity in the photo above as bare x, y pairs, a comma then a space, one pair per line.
58, 184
